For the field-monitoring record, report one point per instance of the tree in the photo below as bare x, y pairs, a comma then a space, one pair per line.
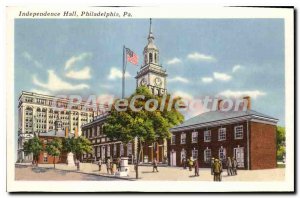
146, 126
77, 146
33, 146
54, 148
280, 143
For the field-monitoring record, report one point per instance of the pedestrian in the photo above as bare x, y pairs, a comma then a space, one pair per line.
184, 163
119, 164
196, 168
154, 165
217, 170
229, 166
108, 166
100, 164
77, 164
221, 165
212, 166
190, 163
114, 169
234, 166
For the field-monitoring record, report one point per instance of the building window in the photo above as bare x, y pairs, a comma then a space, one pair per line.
183, 138
129, 149
194, 154
194, 137
238, 132
183, 154
207, 155
173, 139
98, 130
45, 157
115, 149
121, 150
222, 134
222, 153
207, 136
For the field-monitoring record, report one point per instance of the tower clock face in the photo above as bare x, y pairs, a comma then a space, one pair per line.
143, 82
158, 81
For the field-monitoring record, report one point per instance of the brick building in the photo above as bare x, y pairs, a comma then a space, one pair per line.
48, 136
249, 136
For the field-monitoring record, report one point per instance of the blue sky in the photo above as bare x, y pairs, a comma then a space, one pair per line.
223, 57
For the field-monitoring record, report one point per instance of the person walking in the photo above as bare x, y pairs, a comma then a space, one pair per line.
190, 163
229, 166
221, 167
184, 163
212, 166
100, 164
78, 164
119, 164
217, 170
114, 169
196, 168
108, 166
155, 165
234, 166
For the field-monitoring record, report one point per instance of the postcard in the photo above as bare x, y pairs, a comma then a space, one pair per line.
150, 99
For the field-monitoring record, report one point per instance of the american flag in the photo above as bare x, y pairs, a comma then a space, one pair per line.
131, 57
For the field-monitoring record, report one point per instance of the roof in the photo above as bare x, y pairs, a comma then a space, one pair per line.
212, 117
53, 133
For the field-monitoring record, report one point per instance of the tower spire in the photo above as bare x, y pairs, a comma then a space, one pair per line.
150, 30
150, 37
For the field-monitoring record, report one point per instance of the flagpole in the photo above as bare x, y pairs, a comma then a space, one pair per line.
123, 73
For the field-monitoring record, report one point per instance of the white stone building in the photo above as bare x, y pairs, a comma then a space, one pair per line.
37, 114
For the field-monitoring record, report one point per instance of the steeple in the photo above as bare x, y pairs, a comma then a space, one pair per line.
150, 36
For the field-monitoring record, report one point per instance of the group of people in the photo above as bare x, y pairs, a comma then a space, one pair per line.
112, 166
217, 168
190, 163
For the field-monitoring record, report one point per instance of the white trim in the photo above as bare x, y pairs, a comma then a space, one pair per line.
240, 138
209, 136
219, 130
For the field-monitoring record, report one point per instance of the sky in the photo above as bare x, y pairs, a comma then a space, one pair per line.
214, 57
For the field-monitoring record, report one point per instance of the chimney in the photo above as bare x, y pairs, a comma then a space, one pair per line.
219, 104
76, 131
248, 102
67, 132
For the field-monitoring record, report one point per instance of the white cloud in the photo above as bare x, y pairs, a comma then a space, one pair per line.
207, 79
236, 67
57, 84
179, 79
82, 74
71, 61
222, 76
237, 94
174, 61
106, 86
200, 57
45, 92
29, 58
183, 95
116, 73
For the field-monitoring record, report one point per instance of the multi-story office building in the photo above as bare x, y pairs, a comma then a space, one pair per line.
37, 114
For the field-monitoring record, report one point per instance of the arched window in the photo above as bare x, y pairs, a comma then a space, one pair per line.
155, 59
150, 57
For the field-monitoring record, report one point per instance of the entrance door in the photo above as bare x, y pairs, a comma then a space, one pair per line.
239, 156
173, 158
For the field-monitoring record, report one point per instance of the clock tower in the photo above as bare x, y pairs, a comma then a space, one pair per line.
151, 74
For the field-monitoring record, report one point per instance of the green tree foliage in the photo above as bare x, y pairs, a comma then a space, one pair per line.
77, 146
54, 148
280, 133
33, 146
146, 126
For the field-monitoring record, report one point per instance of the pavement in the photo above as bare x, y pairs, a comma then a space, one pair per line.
89, 171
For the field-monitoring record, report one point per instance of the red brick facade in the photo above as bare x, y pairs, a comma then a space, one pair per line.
262, 146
